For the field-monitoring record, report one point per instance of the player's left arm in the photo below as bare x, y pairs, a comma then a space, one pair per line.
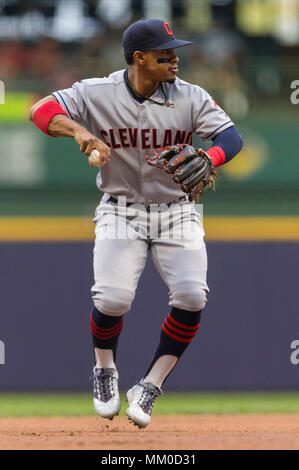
226, 145
211, 122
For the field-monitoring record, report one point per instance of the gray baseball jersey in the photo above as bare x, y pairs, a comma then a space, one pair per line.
132, 129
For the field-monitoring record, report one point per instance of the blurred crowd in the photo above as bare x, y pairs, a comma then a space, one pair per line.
49, 62
234, 66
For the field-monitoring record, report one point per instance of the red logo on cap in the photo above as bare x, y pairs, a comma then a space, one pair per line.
168, 30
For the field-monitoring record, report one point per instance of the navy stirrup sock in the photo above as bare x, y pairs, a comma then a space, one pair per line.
178, 330
105, 330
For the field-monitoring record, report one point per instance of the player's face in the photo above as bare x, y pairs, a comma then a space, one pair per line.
163, 72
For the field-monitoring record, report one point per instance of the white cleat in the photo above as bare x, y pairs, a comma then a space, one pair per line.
141, 399
105, 392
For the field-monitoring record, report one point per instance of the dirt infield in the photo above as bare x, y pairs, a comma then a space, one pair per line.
165, 432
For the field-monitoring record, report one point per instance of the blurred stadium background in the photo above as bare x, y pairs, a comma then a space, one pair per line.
245, 53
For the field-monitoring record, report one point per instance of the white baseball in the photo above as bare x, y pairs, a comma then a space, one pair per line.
94, 158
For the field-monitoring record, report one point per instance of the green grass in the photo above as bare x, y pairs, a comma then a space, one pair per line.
80, 404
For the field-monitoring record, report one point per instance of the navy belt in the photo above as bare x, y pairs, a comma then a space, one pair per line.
128, 204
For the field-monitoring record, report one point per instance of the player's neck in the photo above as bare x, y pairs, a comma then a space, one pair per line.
141, 83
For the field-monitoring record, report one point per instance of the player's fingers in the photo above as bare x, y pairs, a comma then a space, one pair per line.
90, 144
83, 146
103, 149
88, 149
105, 152
97, 158
103, 158
100, 146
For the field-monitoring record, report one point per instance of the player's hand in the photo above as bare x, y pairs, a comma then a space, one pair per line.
88, 142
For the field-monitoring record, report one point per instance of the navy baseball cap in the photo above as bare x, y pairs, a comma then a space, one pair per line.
150, 34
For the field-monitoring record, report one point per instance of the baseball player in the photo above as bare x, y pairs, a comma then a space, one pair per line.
118, 122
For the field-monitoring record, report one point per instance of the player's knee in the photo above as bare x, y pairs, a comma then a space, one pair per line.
113, 301
192, 300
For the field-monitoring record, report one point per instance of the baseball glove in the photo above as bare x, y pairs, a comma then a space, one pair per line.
191, 168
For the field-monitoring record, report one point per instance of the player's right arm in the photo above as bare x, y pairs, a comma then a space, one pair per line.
60, 125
